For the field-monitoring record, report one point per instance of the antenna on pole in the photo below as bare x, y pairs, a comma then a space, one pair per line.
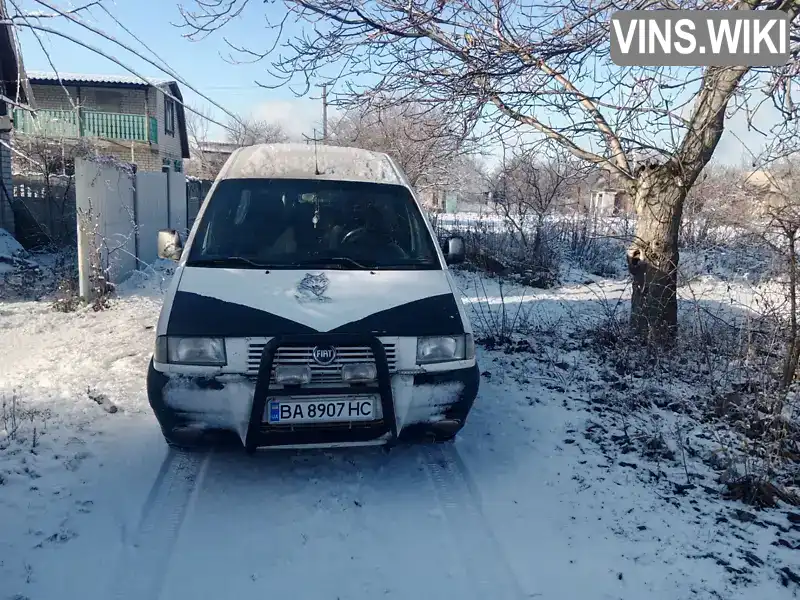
324, 113
316, 140
316, 161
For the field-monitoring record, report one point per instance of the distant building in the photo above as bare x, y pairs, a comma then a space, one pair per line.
772, 191
605, 195
451, 202
208, 158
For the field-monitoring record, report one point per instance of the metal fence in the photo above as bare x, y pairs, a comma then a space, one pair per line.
120, 213
45, 214
196, 191
44, 210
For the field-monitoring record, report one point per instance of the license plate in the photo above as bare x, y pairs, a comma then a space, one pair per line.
329, 410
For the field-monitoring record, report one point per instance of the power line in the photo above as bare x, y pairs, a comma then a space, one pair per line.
97, 50
165, 68
41, 45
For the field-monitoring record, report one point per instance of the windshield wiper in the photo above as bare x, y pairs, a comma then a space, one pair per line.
338, 261
230, 261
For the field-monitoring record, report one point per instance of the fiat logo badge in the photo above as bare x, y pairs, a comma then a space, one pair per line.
323, 355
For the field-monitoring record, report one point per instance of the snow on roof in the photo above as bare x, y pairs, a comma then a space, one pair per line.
217, 146
40, 76
301, 161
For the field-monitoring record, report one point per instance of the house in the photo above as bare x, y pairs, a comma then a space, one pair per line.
208, 158
605, 195
438, 200
772, 192
120, 115
12, 75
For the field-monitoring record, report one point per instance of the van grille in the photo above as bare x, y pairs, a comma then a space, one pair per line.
301, 355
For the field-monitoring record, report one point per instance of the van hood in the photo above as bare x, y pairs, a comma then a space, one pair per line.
251, 302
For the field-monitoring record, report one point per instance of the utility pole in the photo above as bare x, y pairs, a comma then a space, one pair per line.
324, 113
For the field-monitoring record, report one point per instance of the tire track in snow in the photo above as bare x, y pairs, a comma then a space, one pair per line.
481, 554
145, 558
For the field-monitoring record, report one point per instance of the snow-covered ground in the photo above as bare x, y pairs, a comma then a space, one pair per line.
546, 493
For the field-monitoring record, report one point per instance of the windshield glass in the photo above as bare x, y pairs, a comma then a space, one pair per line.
288, 223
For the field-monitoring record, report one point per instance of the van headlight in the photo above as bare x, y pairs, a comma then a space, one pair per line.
191, 351
445, 348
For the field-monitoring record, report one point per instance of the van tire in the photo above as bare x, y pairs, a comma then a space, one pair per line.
176, 441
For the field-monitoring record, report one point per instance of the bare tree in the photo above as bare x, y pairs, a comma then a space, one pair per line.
205, 162
419, 138
201, 164
209, 156
532, 184
775, 218
545, 68
246, 132
715, 200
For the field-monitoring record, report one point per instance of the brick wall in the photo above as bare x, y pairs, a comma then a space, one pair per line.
145, 157
53, 97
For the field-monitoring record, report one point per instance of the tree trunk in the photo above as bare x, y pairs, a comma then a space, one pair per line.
793, 353
653, 256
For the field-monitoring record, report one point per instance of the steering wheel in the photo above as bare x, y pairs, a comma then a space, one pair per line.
361, 232
354, 235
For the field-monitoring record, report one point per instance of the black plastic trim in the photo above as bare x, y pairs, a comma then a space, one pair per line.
260, 435
435, 315
197, 315
167, 418
193, 314
469, 377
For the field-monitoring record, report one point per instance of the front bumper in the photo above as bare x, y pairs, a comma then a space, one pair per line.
412, 404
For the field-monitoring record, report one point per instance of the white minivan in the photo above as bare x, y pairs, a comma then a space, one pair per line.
312, 306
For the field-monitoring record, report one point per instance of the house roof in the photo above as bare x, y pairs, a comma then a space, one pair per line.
763, 180
602, 180
122, 80
219, 147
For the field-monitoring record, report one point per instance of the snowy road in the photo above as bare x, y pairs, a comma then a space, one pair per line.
349, 525
522, 505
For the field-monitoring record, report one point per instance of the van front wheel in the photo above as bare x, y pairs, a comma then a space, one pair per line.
181, 441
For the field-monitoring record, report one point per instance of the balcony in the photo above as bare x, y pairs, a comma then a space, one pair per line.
87, 123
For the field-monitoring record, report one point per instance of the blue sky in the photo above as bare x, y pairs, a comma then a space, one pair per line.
201, 63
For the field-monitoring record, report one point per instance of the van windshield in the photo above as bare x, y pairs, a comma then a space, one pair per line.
290, 224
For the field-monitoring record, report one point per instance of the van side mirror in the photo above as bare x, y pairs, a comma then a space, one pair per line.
455, 251
170, 245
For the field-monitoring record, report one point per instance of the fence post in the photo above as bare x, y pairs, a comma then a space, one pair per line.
135, 181
83, 212
84, 259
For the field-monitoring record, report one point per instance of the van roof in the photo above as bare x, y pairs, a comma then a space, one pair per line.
307, 161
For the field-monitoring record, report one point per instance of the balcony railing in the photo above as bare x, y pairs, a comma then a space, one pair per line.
87, 123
